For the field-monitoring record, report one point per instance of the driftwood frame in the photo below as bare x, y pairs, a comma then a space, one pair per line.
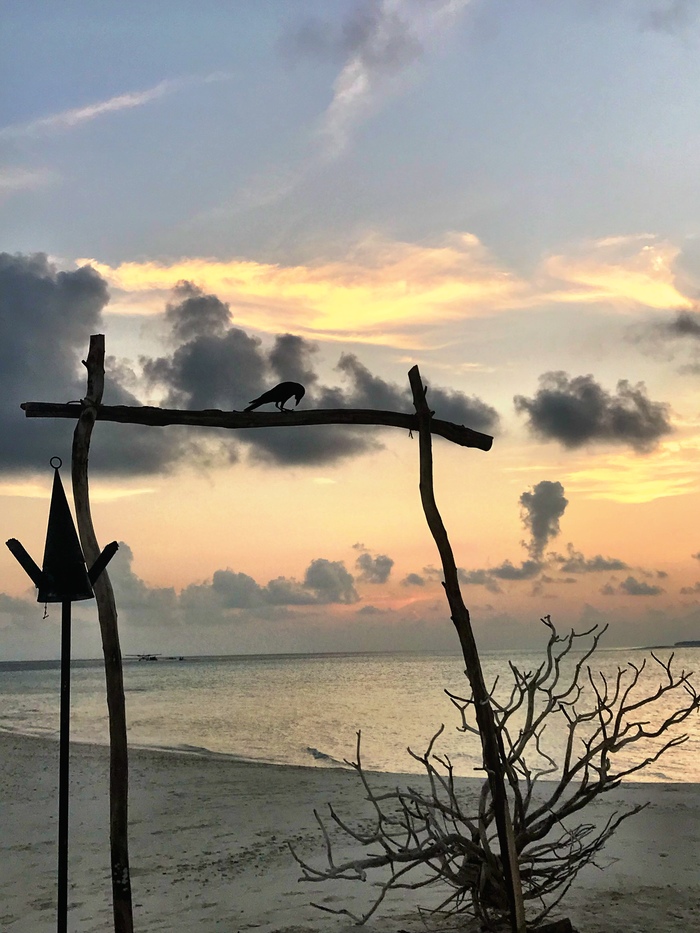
90, 409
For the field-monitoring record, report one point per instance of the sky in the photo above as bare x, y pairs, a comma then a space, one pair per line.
244, 193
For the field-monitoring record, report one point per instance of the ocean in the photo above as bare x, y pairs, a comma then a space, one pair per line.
307, 709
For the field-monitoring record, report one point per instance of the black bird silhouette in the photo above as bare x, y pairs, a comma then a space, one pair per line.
279, 395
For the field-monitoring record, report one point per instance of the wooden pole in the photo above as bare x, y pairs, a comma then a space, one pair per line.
462, 622
64, 772
107, 613
213, 418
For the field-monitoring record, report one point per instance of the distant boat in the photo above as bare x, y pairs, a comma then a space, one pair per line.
154, 657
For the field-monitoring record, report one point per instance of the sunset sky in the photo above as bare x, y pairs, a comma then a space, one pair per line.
242, 193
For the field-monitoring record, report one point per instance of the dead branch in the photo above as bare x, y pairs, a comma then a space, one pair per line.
434, 837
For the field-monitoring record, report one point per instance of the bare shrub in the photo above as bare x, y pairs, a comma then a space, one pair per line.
420, 838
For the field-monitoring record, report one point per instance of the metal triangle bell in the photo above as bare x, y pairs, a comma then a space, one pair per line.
64, 574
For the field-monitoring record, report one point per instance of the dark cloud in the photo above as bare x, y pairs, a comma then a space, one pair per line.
696, 556
575, 562
413, 579
633, 587
374, 34
236, 590
153, 604
540, 511
691, 590
194, 314
368, 391
212, 371
325, 582
478, 578
685, 324
545, 578
508, 571
373, 611
670, 16
331, 582
46, 319
291, 358
374, 569
578, 411
221, 366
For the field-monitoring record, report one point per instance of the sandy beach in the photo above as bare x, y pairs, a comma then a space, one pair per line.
208, 848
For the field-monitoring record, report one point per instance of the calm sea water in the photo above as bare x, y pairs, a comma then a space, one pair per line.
306, 710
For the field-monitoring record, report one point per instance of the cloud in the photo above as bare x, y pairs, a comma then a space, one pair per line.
478, 578
633, 587
76, 116
195, 314
413, 579
671, 16
685, 324
625, 271
221, 366
691, 590
368, 391
325, 582
397, 293
15, 178
152, 604
374, 569
508, 571
575, 562
541, 510
377, 43
331, 582
46, 319
373, 295
578, 411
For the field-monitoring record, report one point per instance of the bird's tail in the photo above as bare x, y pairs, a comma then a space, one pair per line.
254, 404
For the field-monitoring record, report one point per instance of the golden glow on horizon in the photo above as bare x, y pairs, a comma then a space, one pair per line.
673, 470
35, 490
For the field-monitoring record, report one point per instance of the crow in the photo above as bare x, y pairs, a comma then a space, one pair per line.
279, 395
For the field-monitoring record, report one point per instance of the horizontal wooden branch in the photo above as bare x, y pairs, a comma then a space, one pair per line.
213, 418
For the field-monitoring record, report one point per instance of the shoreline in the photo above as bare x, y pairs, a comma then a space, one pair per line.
208, 847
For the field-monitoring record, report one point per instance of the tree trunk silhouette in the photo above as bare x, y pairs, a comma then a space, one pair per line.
493, 759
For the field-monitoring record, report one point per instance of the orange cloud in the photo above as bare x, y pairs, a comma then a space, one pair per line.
382, 288
672, 471
392, 293
632, 271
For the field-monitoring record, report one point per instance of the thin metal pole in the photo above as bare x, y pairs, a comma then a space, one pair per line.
63, 770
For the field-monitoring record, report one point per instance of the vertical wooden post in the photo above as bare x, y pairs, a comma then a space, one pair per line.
460, 616
107, 612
